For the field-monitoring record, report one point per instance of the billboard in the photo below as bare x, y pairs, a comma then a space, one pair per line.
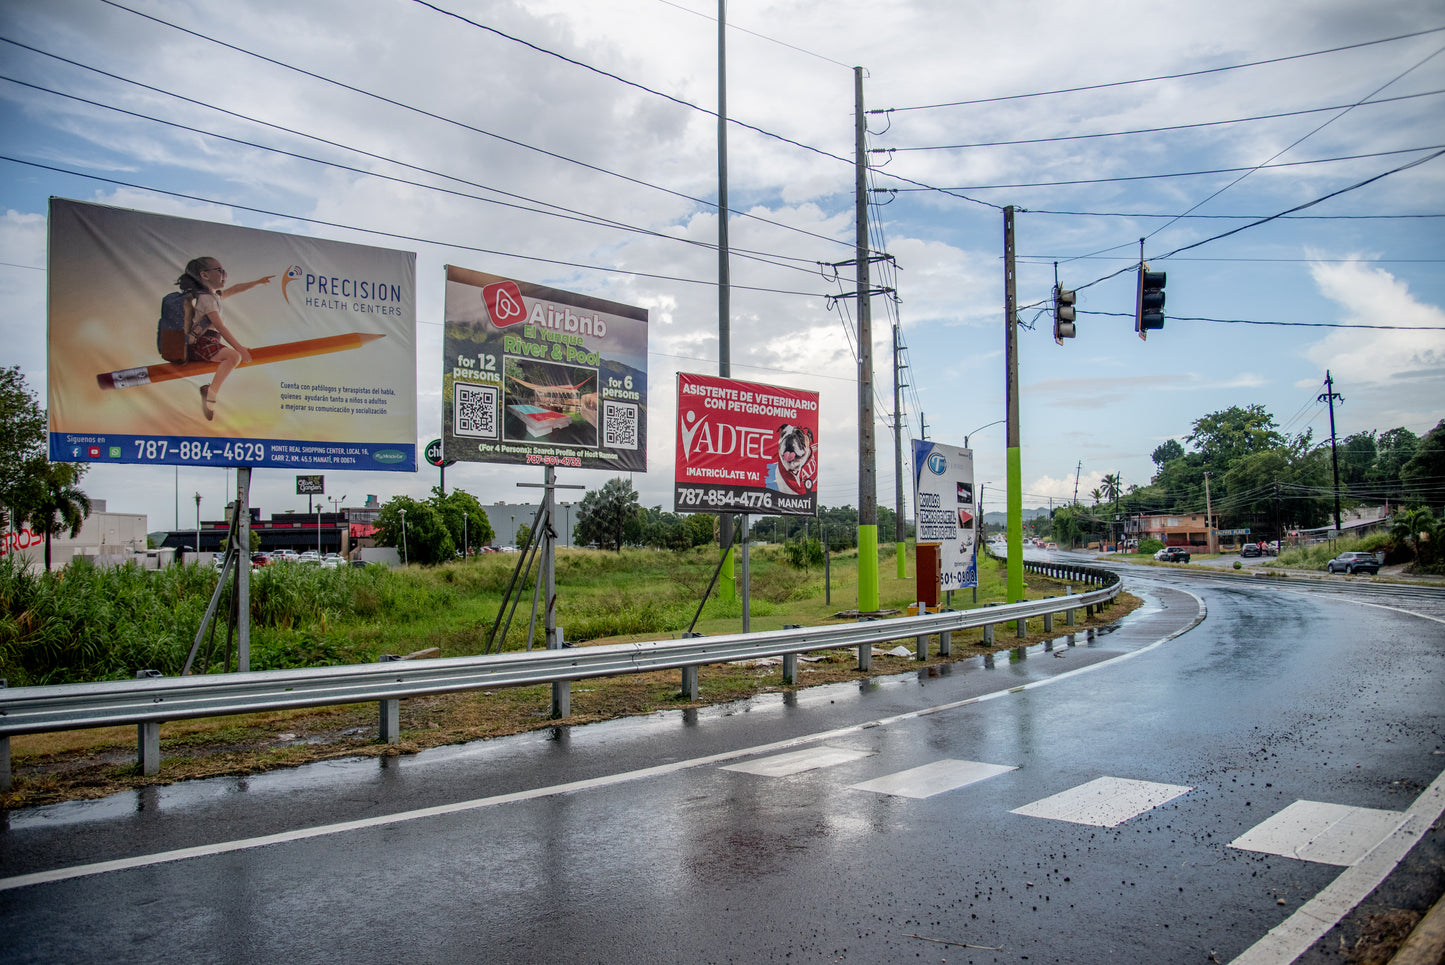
945, 510
174, 341
743, 447
540, 376
310, 485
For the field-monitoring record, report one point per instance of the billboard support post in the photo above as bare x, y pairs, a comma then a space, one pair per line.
243, 569
747, 578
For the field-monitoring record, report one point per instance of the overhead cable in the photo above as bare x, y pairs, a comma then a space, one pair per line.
1150, 80
403, 237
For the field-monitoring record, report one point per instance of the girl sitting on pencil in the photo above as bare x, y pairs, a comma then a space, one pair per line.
204, 286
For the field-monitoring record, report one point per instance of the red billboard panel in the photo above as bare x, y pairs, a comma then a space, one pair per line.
743, 447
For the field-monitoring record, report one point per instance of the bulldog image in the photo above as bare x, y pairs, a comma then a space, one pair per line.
796, 470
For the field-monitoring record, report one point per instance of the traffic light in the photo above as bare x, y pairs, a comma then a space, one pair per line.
1063, 314
1149, 304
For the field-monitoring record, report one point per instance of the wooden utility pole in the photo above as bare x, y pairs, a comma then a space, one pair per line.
900, 531
728, 590
1329, 396
1015, 526
867, 473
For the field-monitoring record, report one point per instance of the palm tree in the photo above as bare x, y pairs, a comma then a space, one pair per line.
56, 503
1418, 529
1097, 495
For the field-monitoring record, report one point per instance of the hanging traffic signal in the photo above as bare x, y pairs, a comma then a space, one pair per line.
1063, 314
1149, 303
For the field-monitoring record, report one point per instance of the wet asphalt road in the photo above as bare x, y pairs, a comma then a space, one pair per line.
686, 837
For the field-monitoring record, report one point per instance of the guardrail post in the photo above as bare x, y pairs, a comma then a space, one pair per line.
390, 725
988, 635
689, 683
945, 643
561, 689
1023, 624
790, 660
4, 756
1048, 623
148, 737
865, 655
1069, 613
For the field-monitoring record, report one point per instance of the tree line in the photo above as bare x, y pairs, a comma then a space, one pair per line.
1263, 480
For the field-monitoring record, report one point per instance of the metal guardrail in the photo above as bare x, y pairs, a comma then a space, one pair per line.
151, 699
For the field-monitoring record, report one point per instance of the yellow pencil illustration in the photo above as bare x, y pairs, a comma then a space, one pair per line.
265, 354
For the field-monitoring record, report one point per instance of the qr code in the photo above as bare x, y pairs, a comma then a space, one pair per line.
619, 425
474, 410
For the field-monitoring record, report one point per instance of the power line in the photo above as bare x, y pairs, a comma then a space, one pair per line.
1223, 217
1150, 80
1307, 204
751, 33
430, 114
1154, 130
1046, 259
398, 235
1176, 174
1255, 321
621, 80
558, 211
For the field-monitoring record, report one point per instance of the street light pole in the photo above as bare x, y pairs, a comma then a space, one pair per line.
402, 514
198, 524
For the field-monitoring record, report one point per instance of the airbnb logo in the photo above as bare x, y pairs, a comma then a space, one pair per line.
504, 303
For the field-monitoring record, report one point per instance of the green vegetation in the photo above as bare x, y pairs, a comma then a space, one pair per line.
89, 623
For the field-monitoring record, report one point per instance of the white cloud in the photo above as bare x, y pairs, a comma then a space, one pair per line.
1406, 360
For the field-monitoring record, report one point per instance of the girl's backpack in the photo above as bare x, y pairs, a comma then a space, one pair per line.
171, 329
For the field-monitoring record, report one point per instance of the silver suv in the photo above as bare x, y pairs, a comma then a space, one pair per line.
1354, 563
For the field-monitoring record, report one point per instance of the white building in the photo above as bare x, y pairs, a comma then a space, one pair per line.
104, 536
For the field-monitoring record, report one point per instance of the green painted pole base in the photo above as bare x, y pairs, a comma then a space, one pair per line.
728, 578
868, 568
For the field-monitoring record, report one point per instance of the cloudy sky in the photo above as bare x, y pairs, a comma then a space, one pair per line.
573, 145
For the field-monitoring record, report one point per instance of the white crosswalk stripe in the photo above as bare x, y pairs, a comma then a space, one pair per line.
1325, 833
1105, 802
930, 779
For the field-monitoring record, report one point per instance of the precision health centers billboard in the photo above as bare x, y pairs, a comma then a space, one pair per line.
174, 341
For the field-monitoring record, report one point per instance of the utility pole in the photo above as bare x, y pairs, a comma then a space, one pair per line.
1015, 582
1211, 539
900, 531
1078, 469
1329, 396
729, 588
867, 472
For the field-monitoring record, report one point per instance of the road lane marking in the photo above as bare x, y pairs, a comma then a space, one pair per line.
938, 777
796, 762
1104, 802
458, 807
1324, 833
1293, 937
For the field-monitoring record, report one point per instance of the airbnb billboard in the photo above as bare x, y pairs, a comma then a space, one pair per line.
743, 447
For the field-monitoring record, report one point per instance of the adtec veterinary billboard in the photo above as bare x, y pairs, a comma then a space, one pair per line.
745, 448
194, 343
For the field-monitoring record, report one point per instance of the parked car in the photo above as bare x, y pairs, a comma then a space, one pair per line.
1173, 554
333, 561
259, 560
1354, 563
1250, 549
283, 556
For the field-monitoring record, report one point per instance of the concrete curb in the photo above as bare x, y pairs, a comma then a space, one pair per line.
1426, 944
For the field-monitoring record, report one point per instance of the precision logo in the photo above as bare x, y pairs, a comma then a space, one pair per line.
292, 273
937, 463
